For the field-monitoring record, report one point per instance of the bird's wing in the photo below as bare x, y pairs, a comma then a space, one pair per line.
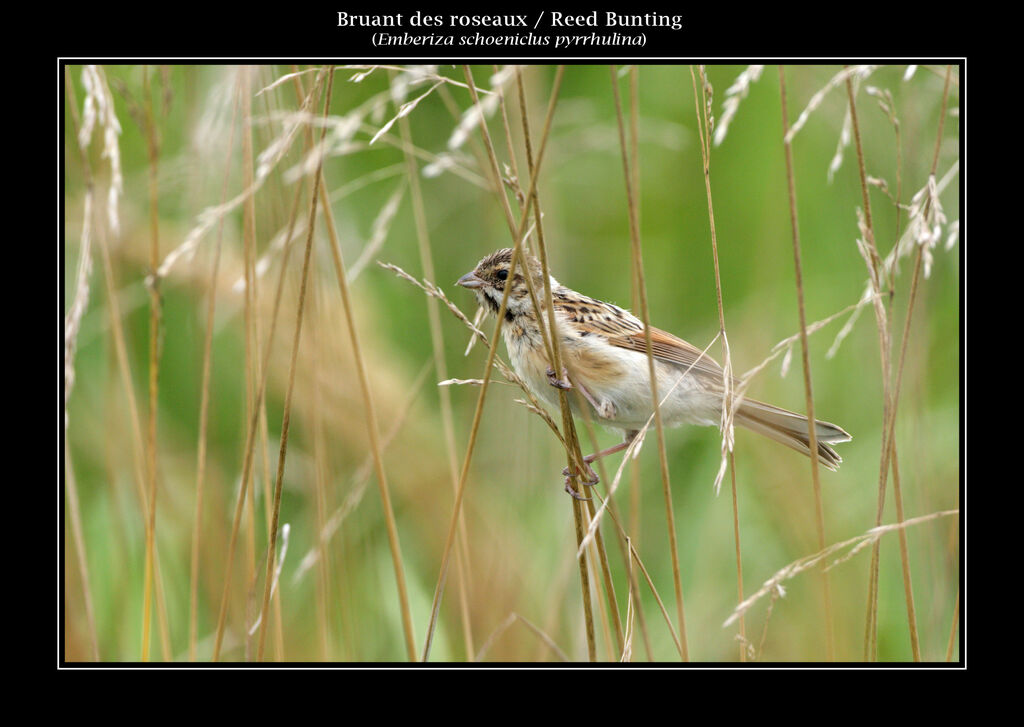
670, 349
621, 328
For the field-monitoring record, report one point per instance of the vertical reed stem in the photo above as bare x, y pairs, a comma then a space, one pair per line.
805, 356
638, 267
154, 362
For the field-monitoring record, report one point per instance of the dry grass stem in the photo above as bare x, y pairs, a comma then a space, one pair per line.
286, 417
504, 626
254, 420
680, 648
204, 412
462, 564
808, 390
359, 480
638, 268
371, 417
290, 232
729, 406
123, 364
154, 363
569, 439
518, 237
285, 531
800, 565
71, 490
953, 628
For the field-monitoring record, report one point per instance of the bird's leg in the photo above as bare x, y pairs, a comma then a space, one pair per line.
559, 383
605, 409
592, 478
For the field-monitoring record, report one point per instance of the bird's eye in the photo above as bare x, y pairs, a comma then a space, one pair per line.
502, 274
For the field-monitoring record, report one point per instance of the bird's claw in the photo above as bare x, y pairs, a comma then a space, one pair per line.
559, 383
591, 478
571, 491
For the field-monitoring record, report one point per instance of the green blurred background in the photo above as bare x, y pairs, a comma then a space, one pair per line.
520, 547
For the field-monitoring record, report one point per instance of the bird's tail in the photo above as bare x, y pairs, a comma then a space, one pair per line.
791, 429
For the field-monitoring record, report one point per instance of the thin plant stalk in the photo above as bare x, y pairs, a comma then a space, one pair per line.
680, 646
637, 256
204, 404
71, 486
538, 632
704, 128
554, 345
371, 421
254, 420
249, 310
805, 356
154, 364
499, 190
441, 368
481, 397
286, 416
904, 555
76, 534
635, 492
124, 369
885, 352
573, 453
952, 628
276, 195
889, 423
323, 581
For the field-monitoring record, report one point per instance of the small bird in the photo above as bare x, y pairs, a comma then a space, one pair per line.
605, 355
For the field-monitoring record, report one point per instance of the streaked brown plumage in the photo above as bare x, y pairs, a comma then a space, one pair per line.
605, 356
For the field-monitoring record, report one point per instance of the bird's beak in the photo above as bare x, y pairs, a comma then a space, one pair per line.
469, 280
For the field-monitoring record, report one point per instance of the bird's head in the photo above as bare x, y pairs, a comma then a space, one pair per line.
489, 278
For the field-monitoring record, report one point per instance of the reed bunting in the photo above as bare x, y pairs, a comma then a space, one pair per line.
605, 355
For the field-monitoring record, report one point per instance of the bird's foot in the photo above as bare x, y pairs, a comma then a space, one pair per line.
588, 478
559, 383
571, 491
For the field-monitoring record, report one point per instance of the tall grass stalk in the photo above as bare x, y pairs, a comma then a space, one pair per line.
80, 555
889, 456
805, 356
204, 402
71, 328
638, 268
885, 351
636, 490
250, 437
574, 456
481, 397
953, 627
286, 417
548, 334
276, 195
124, 369
462, 563
360, 479
371, 416
249, 316
154, 360
704, 127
